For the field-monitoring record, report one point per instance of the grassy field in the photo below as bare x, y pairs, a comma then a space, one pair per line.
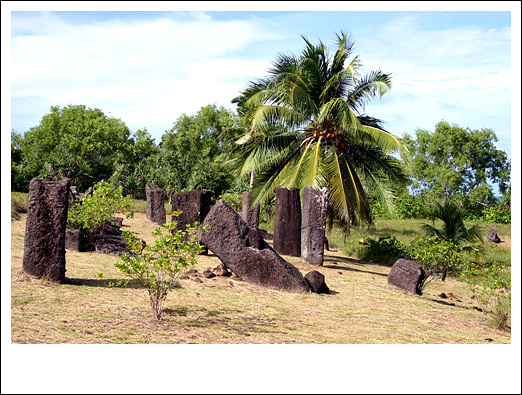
361, 308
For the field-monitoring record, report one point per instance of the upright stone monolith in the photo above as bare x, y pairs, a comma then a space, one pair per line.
44, 244
313, 240
195, 205
155, 204
287, 222
250, 214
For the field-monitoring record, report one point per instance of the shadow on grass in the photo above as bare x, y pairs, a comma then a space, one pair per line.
335, 260
104, 283
230, 320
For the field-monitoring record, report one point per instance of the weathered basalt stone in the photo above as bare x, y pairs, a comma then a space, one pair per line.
112, 245
313, 240
73, 240
250, 214
245, 253
195, 205
287, 222
406, 275
317, 282
493, 237
44, 243
155, 204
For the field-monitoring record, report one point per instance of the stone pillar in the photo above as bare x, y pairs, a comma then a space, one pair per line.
287, 222
195, 205
44, 243
315, 203
155, 204
248, 214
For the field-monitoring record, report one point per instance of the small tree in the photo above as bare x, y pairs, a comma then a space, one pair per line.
157, 266
435, 256
93, 211
453, 228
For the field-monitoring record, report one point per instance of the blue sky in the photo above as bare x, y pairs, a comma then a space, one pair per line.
149, 67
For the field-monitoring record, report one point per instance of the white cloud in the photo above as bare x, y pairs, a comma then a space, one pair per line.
459, 74
146, 70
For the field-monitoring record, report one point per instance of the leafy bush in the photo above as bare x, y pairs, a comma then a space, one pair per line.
93, 211
385, 250
491, 283
234, 200
411, 207
159, 265
436, 256
497, 215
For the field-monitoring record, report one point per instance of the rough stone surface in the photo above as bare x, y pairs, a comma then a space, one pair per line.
73, 240
245, 253
155, 204
111, 244
287, 222
195, 205
313, 240
250, 214
44, 244
493, 237
406, 275
317, 283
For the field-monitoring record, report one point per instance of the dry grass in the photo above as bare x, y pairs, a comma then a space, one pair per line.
361, 308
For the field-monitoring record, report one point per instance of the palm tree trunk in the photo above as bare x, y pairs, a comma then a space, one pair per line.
252, 180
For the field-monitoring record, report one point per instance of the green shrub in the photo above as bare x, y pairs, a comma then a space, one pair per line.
491, 284
436, 256
497, 215
158, 265
234, 200
411, 207
385, 250
93, 211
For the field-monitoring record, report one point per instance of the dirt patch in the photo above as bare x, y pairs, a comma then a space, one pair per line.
505, 241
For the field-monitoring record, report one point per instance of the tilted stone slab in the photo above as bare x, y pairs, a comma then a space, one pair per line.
287, 222
313, 240
155, 204
250, 214
195, 205
243, 250
44, 243
406, 275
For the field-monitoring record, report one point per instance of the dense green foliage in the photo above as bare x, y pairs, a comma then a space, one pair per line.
456, 162
308, 127
91, 213
158, 265
76, 142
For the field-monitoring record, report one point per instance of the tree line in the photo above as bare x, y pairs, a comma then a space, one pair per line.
303, 124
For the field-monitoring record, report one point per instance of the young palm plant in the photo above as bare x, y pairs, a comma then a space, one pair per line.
453, 228
308, 127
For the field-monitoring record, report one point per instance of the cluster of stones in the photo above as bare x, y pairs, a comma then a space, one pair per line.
243, 252
218, 270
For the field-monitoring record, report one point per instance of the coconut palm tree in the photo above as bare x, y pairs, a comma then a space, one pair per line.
453, 228
308, 127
